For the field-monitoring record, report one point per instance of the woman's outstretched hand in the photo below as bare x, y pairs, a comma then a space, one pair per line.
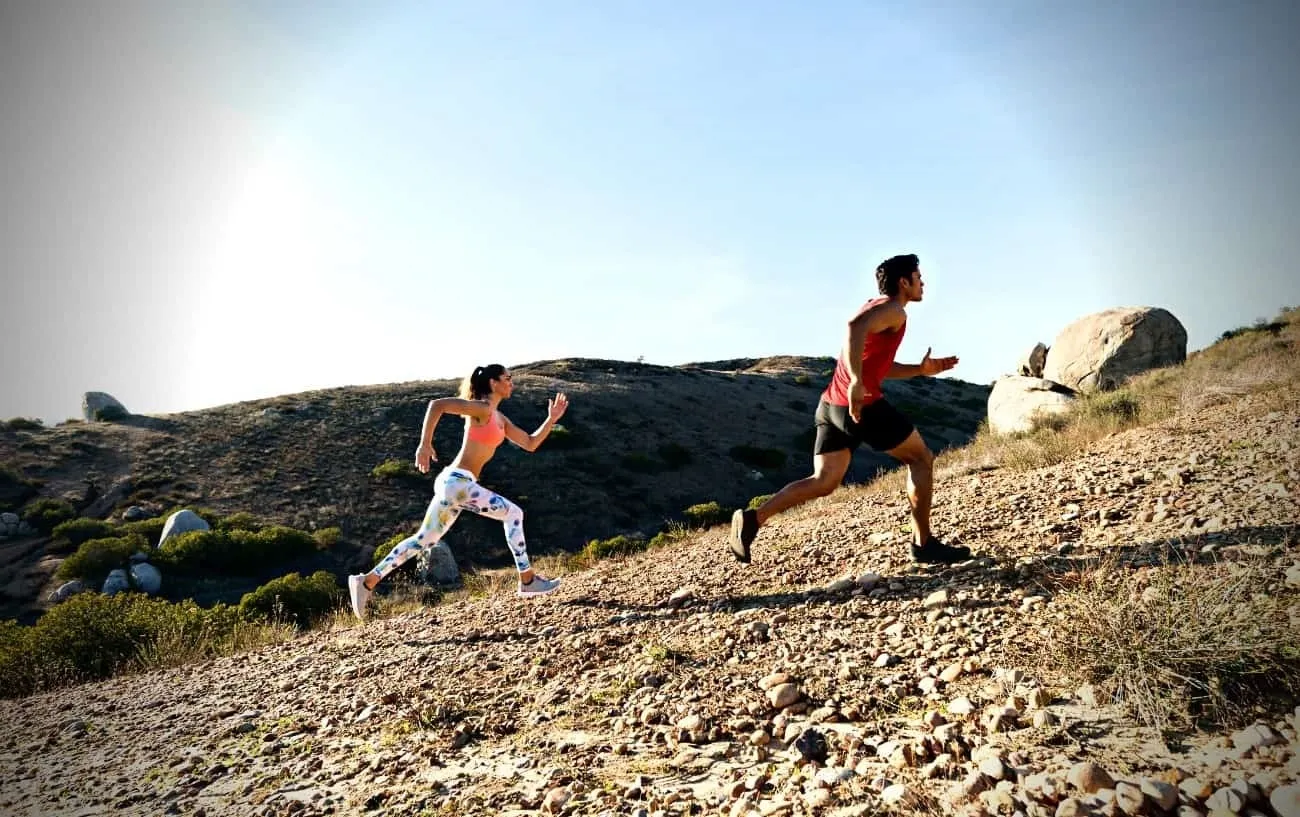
424, 455
555, 408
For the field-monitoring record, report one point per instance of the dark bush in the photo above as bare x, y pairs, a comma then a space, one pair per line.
621, 545
397, 470
46, 514
640, 463
74, 532
675, 455
150, 529
15, 489
92, 636
238, 552
706, 514
241, 520
292, 598
755, 457
95, 559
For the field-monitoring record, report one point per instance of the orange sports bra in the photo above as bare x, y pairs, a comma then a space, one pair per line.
492, 432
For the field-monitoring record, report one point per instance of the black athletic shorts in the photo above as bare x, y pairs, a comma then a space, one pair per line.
882, 427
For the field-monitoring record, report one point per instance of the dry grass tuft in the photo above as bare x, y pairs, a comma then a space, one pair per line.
1180, 644
177, 645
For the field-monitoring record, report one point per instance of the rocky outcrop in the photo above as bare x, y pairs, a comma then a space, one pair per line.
1015, 402
1031, 365
1100, 351
98, 405
438, 565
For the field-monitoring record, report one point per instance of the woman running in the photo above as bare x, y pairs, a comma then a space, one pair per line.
456, 487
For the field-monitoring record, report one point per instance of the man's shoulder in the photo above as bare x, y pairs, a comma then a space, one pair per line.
886, 308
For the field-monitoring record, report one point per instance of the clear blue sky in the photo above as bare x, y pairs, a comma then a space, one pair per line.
235, 201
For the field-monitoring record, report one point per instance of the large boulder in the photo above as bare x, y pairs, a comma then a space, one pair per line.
183, 521
1016, 402
438, 565
1102, 350
117, 582
67, 590
146, 577
98, 405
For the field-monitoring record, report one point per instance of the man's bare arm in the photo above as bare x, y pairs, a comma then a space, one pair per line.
928, 367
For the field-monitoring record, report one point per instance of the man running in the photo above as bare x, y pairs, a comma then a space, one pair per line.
853, 410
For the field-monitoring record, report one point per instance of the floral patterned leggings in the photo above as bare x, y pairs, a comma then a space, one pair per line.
454, 491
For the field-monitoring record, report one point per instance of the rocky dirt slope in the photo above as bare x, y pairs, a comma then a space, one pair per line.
677, 682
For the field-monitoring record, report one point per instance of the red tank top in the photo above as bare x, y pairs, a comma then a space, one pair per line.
877, 357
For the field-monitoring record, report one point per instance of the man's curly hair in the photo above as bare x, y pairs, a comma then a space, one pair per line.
895, 269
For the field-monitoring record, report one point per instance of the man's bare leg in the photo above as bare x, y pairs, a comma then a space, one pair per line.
915, 454
828, 471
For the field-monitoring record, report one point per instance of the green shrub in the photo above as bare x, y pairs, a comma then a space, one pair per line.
241, 520
639, 462
74, 532
293, 598
150, 529
669, 535
675, 455
327, 538
758, 500
621, 545
399, 470
706, 514
238, 552
47, 514
1121, 404
15, 489
566, 437
96, 558
387, 547
802, 380
110, 414
756, 457
24, 424
92, 636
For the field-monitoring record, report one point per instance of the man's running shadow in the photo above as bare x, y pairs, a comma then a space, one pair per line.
1042, 575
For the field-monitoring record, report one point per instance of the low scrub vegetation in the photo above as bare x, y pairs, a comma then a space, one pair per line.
96, 558
234, 552
93, 636
1180, 645
758, 457
396, 470
706, 514
15, 489
293, 598
46, 514
22, 424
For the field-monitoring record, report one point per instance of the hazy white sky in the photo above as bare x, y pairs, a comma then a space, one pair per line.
202, 203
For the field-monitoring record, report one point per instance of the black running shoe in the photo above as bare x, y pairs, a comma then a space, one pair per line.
744, 527
936, 552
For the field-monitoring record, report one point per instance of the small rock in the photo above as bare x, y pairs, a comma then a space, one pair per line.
1089, 777
1129, 798
782, 695
1285, 800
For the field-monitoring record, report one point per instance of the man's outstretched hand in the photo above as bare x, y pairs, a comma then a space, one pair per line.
931, 366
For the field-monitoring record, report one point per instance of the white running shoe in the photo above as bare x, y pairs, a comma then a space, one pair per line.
360, 594
539, 586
